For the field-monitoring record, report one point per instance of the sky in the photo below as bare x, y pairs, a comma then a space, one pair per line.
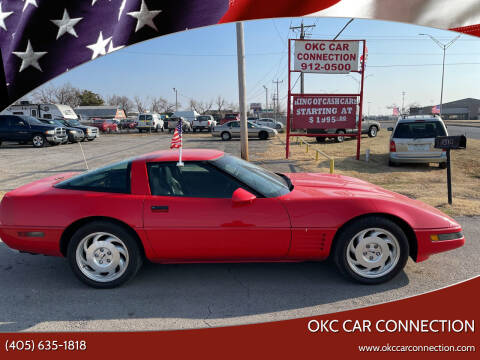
202, 64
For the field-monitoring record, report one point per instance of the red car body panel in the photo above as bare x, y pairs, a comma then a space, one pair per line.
298, 226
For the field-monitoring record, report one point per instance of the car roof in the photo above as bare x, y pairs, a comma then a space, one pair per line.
413, 118
187, 155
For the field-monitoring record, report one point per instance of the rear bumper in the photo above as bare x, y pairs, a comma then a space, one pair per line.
417, 159
427, 247
33, 240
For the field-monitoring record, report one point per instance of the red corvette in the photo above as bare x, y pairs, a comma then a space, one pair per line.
218, 208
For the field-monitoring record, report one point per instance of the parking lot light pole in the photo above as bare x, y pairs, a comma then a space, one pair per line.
176, 99
444, 47
242, 97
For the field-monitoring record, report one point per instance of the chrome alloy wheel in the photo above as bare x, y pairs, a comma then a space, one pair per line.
38, 141
373, 252
102, 257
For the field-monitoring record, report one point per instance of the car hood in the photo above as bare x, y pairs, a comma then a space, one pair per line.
326, 186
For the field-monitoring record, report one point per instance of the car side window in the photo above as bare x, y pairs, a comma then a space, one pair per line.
194, 179
235, 124
16, 122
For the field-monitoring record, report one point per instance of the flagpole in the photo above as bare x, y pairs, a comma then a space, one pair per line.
180, 162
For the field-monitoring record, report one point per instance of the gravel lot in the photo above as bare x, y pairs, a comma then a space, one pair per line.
41, 294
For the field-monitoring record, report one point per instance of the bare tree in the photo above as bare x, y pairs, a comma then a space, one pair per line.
220, 102
139, 103
44, 94
121, 101
158, 104
201, 106
67, 95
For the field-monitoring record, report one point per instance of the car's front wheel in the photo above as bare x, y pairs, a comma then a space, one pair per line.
104, 255
340, 138
226, 136
263, 135
38, 141
371, 250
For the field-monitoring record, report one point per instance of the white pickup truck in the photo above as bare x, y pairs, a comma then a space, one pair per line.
203, 122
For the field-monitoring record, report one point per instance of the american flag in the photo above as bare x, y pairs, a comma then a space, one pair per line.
436, 109
177, 136
396, 111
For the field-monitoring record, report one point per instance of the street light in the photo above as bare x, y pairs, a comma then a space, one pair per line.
176, 99
444, 47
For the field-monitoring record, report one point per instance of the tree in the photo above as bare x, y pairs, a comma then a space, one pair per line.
68, 95
201, 106
220, 102
89, 98
139, 103
122, 102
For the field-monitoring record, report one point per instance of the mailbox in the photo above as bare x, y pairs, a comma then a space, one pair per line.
451, 142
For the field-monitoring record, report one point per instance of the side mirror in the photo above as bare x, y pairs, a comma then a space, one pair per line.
242, 196
390, 129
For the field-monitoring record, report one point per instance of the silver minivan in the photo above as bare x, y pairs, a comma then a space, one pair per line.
413, 140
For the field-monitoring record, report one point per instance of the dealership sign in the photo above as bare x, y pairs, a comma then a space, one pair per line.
326, 57
324, 112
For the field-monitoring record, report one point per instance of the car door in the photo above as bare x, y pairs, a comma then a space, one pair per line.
190, 216
19, 129
235, 128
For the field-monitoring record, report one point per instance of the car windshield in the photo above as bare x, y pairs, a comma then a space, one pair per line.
72, 122
230, 116
262, 180
32, 121
419, 130
203, 118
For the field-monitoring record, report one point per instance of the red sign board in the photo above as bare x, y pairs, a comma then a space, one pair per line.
324, 112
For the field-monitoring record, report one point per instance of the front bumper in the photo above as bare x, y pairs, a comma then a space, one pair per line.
417, 159
76, 136
427, 247
56, 139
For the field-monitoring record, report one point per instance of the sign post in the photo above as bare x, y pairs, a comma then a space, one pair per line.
448, 143
325, 111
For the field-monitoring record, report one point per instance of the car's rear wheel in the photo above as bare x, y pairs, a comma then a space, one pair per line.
226, 136
321, 139
371, 250
38, 141
263, 135
372, 131
104, 255
340, 138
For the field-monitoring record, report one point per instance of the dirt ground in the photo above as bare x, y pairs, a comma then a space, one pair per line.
423, 182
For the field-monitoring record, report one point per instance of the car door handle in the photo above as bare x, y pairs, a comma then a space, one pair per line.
159, 208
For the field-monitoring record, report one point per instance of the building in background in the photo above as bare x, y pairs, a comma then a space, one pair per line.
465, 109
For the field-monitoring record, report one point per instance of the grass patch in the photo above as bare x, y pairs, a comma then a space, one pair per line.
419, 181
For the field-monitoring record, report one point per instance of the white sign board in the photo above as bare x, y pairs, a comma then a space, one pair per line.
326, 57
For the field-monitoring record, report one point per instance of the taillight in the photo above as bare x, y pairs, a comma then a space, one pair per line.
392, 146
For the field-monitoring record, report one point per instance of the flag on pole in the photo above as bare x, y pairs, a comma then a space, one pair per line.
436, 109
177, 136
396, 111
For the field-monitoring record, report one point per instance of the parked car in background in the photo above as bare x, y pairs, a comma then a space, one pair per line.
24, 129
173, 121
105, 126
128, 124
74, 134
90, 132
219, 208
231, 130
413, 140
272, 123
187, 115
230, 117
150, 122
203, 122
369, 127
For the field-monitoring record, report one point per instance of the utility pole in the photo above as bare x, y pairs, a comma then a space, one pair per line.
176, 99
277, 98
242, 96
266, 97
403, 102
444, 47
302, 36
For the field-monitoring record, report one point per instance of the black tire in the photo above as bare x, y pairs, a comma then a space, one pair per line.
392, 163
263, 135
91, 139
344, 240
320, 139
38, 141
372, 131
140, 131
340, 139
194, 129
135, 258
442, 165
226, 136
